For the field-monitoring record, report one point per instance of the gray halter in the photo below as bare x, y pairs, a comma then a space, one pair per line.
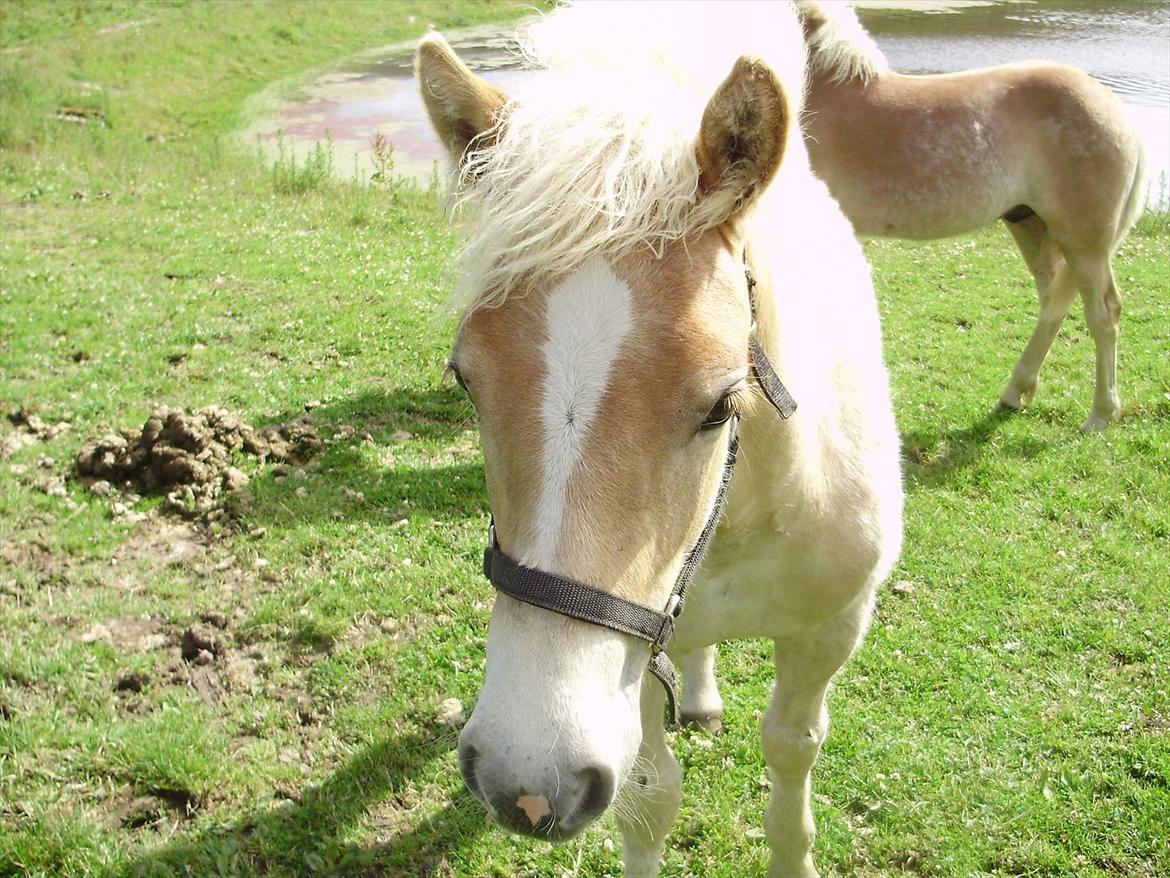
597, 607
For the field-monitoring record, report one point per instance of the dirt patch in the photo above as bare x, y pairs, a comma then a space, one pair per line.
131, 681
207, 661
201, 658
212, 677
129, 634
189, 457
161, 811
30, 554
28, 428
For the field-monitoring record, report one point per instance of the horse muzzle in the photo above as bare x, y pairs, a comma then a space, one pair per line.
554, 803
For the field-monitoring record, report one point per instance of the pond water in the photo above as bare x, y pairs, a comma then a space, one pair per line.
1124, 43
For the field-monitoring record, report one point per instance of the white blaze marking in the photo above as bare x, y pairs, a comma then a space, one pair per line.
586, 319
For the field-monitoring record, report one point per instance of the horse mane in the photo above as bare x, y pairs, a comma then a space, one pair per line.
597, 154
838, 44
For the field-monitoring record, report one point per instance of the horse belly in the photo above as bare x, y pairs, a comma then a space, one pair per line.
922, 204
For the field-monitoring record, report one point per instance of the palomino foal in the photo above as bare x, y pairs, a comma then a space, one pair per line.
607, 349
1045, 148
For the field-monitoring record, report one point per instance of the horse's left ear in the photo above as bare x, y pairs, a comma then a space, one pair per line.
461, 105
742, 136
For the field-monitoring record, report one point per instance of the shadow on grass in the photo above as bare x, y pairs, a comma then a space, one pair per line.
430, 413
360, 819
435, 472
932, 457
310, 835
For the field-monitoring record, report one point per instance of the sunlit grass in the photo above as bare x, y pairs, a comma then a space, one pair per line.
1007, 715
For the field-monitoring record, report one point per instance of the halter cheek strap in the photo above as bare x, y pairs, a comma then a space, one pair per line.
589, 604
598, 607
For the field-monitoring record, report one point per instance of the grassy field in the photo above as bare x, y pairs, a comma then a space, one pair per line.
264, 693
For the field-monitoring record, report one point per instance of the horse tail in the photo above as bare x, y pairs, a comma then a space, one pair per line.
1135, 200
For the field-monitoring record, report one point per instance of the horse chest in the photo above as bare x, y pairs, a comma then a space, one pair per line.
767, 581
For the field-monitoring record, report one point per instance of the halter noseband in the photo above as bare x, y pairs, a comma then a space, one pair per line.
597, 607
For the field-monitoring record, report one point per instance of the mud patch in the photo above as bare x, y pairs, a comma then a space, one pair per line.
30, 555
190, 457
131, 681
215, 679
205, 662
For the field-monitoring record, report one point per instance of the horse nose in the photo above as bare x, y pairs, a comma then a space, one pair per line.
553, 814
598, 792
563, 813
468, 756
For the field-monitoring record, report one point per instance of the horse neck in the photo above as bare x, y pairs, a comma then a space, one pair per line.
771, 446
823, 85
786, 251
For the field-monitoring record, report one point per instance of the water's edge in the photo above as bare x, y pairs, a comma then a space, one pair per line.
1124, 44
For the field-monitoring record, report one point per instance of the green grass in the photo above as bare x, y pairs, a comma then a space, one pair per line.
1008, 714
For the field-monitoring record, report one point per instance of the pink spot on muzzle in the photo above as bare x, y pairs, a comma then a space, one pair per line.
535, 807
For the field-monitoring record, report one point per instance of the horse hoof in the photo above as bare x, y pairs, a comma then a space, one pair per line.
1015, 398
704, 721
1094, 424
1007, 407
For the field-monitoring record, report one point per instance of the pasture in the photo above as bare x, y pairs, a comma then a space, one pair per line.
269, 690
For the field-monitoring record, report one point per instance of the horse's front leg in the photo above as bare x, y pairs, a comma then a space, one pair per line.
649, 800
793, 729
702, 705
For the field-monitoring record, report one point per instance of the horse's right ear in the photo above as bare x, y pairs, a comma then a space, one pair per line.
742, 135
461, 105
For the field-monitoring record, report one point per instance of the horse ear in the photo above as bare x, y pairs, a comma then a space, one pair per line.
742, 136
461, 105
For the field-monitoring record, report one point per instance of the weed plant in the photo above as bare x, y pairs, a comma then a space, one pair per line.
290, 177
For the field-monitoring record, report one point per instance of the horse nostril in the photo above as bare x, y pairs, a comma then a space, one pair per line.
468, 756
599, 785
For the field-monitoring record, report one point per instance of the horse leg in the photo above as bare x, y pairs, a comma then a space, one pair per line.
649, 800
1056, 289
702, 705
793, 729
1102, 303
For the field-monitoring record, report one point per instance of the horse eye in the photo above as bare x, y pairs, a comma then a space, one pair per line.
720, 413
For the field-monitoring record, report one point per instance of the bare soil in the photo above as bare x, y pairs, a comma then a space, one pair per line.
29, 427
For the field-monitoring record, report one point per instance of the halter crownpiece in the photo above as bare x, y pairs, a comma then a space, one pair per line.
590, 604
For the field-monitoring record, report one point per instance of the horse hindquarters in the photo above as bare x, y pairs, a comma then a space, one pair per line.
1089, 195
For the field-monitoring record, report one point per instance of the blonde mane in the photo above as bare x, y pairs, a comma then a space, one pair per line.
596, 156
838, 44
